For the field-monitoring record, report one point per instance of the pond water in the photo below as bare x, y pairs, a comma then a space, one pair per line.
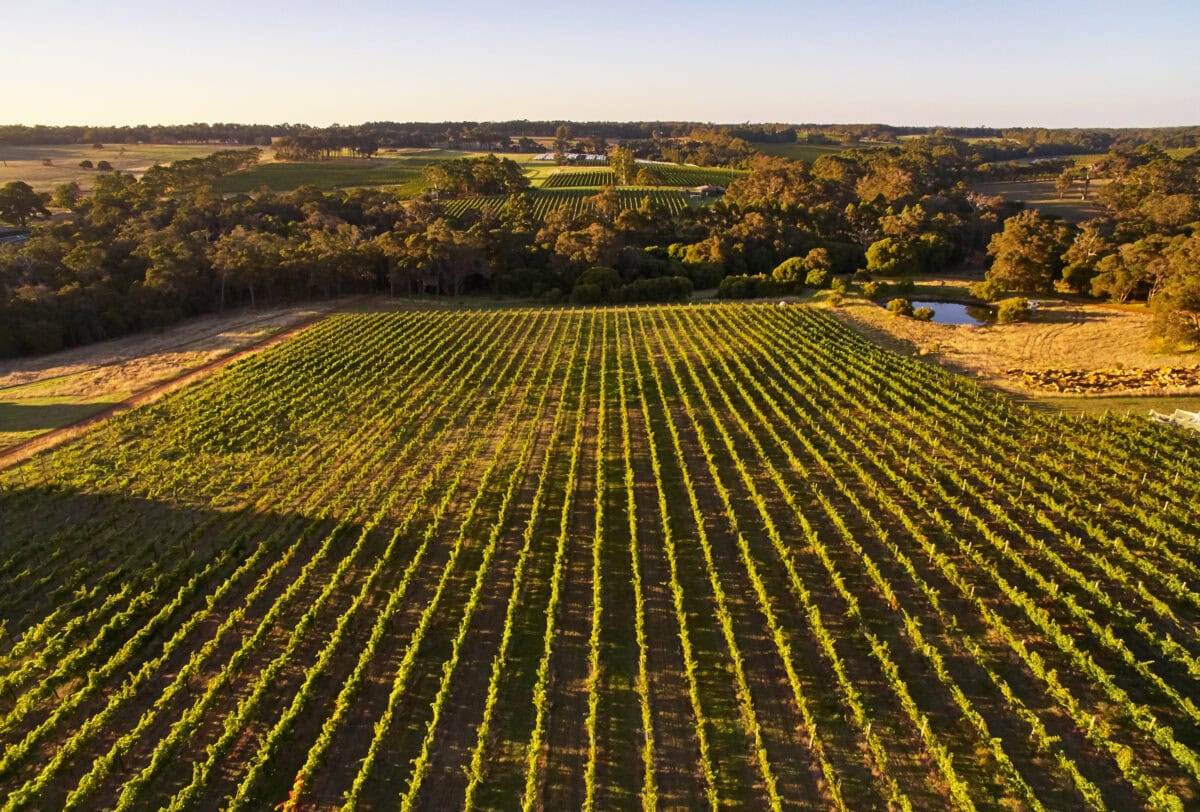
959, 313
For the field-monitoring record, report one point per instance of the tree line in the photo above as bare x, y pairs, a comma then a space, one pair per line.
133, 254
502, 135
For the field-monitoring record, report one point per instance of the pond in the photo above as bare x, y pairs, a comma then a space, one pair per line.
959, 313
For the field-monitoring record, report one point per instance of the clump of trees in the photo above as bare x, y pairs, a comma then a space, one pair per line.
1143, 248
461, 177
19, 203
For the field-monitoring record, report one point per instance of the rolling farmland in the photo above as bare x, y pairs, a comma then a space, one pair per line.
673, 557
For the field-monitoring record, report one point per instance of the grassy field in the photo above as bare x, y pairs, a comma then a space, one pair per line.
343, 173
27, 163
802, 152
1041, 195
676, 557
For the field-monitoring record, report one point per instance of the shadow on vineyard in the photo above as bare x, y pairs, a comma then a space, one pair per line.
162, 544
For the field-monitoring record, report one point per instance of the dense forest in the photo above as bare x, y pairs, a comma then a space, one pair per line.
139, 253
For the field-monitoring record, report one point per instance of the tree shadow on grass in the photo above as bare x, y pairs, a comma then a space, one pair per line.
21, 417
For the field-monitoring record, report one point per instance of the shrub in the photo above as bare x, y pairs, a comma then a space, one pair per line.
987, 290
655, 289
790, 272
705, 275
873, 289
747, 287
923, 314
900, 307
86, 164
586, 293
104, 166
835, 299
1012, 310
817, 278
838, 286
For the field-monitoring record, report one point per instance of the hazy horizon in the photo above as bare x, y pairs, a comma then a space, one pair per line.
137, 62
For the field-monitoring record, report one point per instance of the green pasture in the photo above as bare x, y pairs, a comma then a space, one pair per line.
1041, 195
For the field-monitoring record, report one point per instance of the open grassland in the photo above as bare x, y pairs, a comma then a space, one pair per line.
28, 163
684, 557
1041, 195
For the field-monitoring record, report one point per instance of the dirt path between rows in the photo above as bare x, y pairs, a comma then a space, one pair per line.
22, 451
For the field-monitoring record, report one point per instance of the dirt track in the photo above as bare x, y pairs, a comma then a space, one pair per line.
23, 451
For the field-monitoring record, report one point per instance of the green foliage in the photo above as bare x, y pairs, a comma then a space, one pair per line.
624, 168
1132, 266
1176, 303
790, 272
986, 290
704, 274
816, 278
603, 285
603, 278
874, 289
747, 286
488, 175
1013, 310
19, 202
892, 257
655, 289
586, 294
900, 307
1027, 254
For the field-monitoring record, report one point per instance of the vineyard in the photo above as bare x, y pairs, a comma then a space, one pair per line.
578, 201
671, 175
676, 557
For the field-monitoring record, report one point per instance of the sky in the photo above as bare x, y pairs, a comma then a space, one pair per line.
1065, 64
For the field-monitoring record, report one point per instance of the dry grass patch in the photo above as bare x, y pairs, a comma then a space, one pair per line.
1063, 335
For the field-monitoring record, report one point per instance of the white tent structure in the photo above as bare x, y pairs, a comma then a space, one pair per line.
1187, 420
